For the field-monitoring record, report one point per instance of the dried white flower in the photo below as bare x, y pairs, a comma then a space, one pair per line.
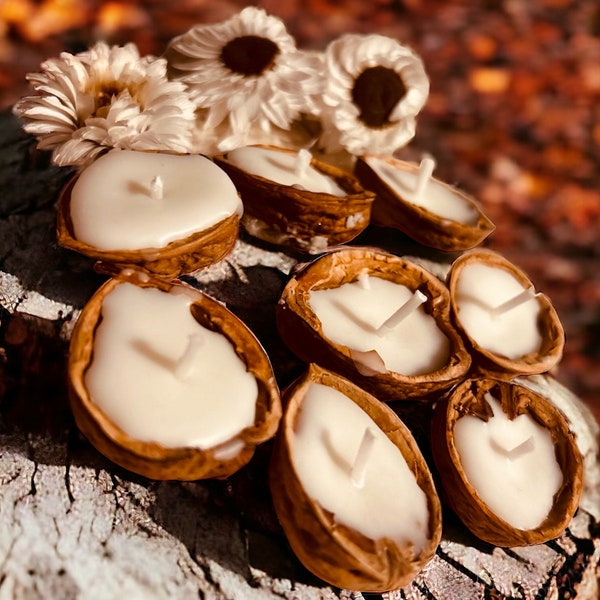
375, 88
106, 97
246, 75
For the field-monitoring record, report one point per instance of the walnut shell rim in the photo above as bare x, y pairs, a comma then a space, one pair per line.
422, 225
462, 497
359, 563
301, 219
497, 365
302, 332
188, 254
151, 459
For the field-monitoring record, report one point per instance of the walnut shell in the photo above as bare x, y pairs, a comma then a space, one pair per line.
427, 228
302, 331
152, 459
487, 362
338, 554
462, 497
198, 250
305, 221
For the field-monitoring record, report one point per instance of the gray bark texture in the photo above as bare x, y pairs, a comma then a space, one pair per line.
73, 525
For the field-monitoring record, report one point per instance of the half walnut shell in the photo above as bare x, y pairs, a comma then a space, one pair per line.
336, 553
152, 459
492, 362
470, 399
302, 331
193, 252
308, 222
394, 209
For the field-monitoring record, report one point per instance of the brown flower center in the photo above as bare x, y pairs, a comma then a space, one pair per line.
376, 92
249, 54
106, 93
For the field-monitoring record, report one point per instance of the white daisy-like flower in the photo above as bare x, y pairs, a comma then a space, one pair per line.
246, 74
106, 97
375, 88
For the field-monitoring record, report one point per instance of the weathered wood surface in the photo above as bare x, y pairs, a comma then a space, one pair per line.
73, 525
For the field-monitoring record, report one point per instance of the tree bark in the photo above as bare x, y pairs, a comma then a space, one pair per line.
73, 525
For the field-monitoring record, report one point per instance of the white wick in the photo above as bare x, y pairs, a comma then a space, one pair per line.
186, 363
157, 188
359, 467
363, 281
519, 450
425, 171
504, 445
303, 159
517, 300
406, 309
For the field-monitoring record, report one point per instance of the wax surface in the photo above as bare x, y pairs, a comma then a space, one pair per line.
326, 439
482, 287
511, 464
143, 335
351, 314
281, 167
436, 198
113, 208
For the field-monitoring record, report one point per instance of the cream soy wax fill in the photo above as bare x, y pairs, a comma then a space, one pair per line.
168, 214
379, 320
511, 328
425, 208
352, 491
509, 464
168, 383
294, 200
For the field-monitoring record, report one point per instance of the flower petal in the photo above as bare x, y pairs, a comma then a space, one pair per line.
348, 57
275, 97
106, 97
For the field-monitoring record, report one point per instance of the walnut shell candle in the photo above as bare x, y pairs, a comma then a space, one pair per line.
166, 214
434, 213
384, 323
147, 382
371, 530
294, 215
511, 329
513, 473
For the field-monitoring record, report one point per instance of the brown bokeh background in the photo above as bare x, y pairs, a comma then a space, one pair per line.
513, 116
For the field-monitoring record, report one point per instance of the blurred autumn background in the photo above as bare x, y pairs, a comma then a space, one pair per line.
513, 117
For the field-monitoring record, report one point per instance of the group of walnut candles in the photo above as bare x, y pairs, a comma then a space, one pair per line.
174, 154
